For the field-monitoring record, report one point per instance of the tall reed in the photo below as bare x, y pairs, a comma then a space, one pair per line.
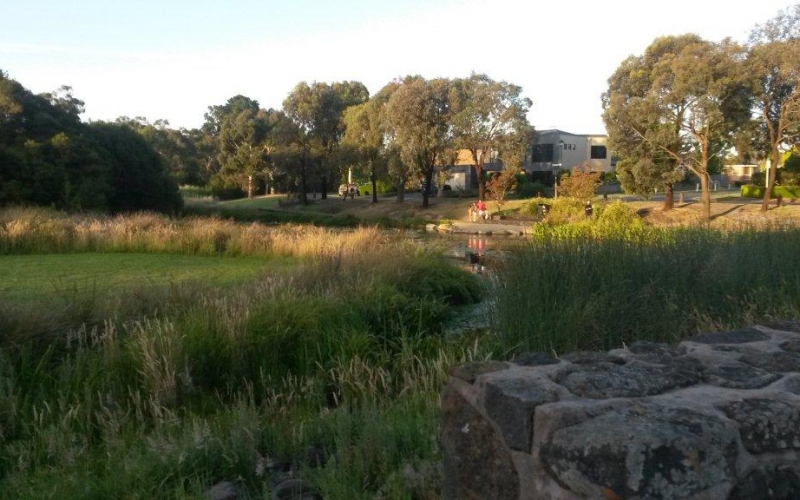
655, 284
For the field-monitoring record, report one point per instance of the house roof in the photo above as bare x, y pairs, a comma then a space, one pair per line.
563, 132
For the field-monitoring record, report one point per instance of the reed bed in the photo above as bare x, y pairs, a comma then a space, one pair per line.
603, 289
32, 231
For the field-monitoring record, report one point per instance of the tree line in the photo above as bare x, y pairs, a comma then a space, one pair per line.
411, 129
688, 102
49, 157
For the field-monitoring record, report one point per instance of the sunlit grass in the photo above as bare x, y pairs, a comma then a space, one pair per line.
41, 276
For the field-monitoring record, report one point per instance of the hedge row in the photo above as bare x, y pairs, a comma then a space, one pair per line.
752, 191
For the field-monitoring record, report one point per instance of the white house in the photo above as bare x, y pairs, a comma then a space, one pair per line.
558, 150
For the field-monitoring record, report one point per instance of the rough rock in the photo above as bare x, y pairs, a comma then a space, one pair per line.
634, 379
534, 359
477, 464
776, 362
767, 424
654, 352
295, 489
739, 376
715, 417
645, 451
792, 385
224, 490
510, 403
468, 372
777, 483
592, 357
741, 336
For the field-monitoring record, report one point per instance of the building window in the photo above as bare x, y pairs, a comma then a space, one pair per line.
598, 153
542, 153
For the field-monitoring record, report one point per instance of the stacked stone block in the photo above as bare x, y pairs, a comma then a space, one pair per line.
717, 417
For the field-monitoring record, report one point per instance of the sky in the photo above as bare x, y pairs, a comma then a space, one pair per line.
172, 59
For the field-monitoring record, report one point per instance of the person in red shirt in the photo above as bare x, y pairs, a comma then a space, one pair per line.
481, 206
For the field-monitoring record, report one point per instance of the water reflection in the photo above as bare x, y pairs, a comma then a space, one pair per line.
481, 252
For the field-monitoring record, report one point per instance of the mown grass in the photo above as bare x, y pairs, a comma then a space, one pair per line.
152, 391
30, 277
590, 286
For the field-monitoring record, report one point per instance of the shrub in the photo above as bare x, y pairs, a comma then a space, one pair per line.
366, 189
581, 185
224, 188
790, 192
499, 185
790, 178
531, 189
792, 162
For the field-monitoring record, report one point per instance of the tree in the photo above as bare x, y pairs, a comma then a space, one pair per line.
49, 157
639, 131
317, 111
419, 113
138, 179
366, 136
239, 129
773, 61
244, 147
294, 154
502, 183
687, 108
176, 148
485, 114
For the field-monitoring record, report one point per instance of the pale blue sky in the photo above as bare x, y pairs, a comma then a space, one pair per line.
170, 60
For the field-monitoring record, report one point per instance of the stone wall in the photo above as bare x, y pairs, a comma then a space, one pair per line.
717, 417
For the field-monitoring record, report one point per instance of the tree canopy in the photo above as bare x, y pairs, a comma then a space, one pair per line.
49, 157
676, 107
488, 117
773, 64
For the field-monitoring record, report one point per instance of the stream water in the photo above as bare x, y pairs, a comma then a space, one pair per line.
480, 254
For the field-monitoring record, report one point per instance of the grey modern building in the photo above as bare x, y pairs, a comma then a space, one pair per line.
558, 150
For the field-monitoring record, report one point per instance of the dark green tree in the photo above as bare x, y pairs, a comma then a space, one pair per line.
318, 110
138, 179
419, 113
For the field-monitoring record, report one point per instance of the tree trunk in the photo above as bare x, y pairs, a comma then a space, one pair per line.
303, 183
426, 188
374, 182
705, 196
669, 198
481, 187
250, 186
770, 184
324, 187
401, 193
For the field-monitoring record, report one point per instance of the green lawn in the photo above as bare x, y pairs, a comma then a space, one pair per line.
29, 276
